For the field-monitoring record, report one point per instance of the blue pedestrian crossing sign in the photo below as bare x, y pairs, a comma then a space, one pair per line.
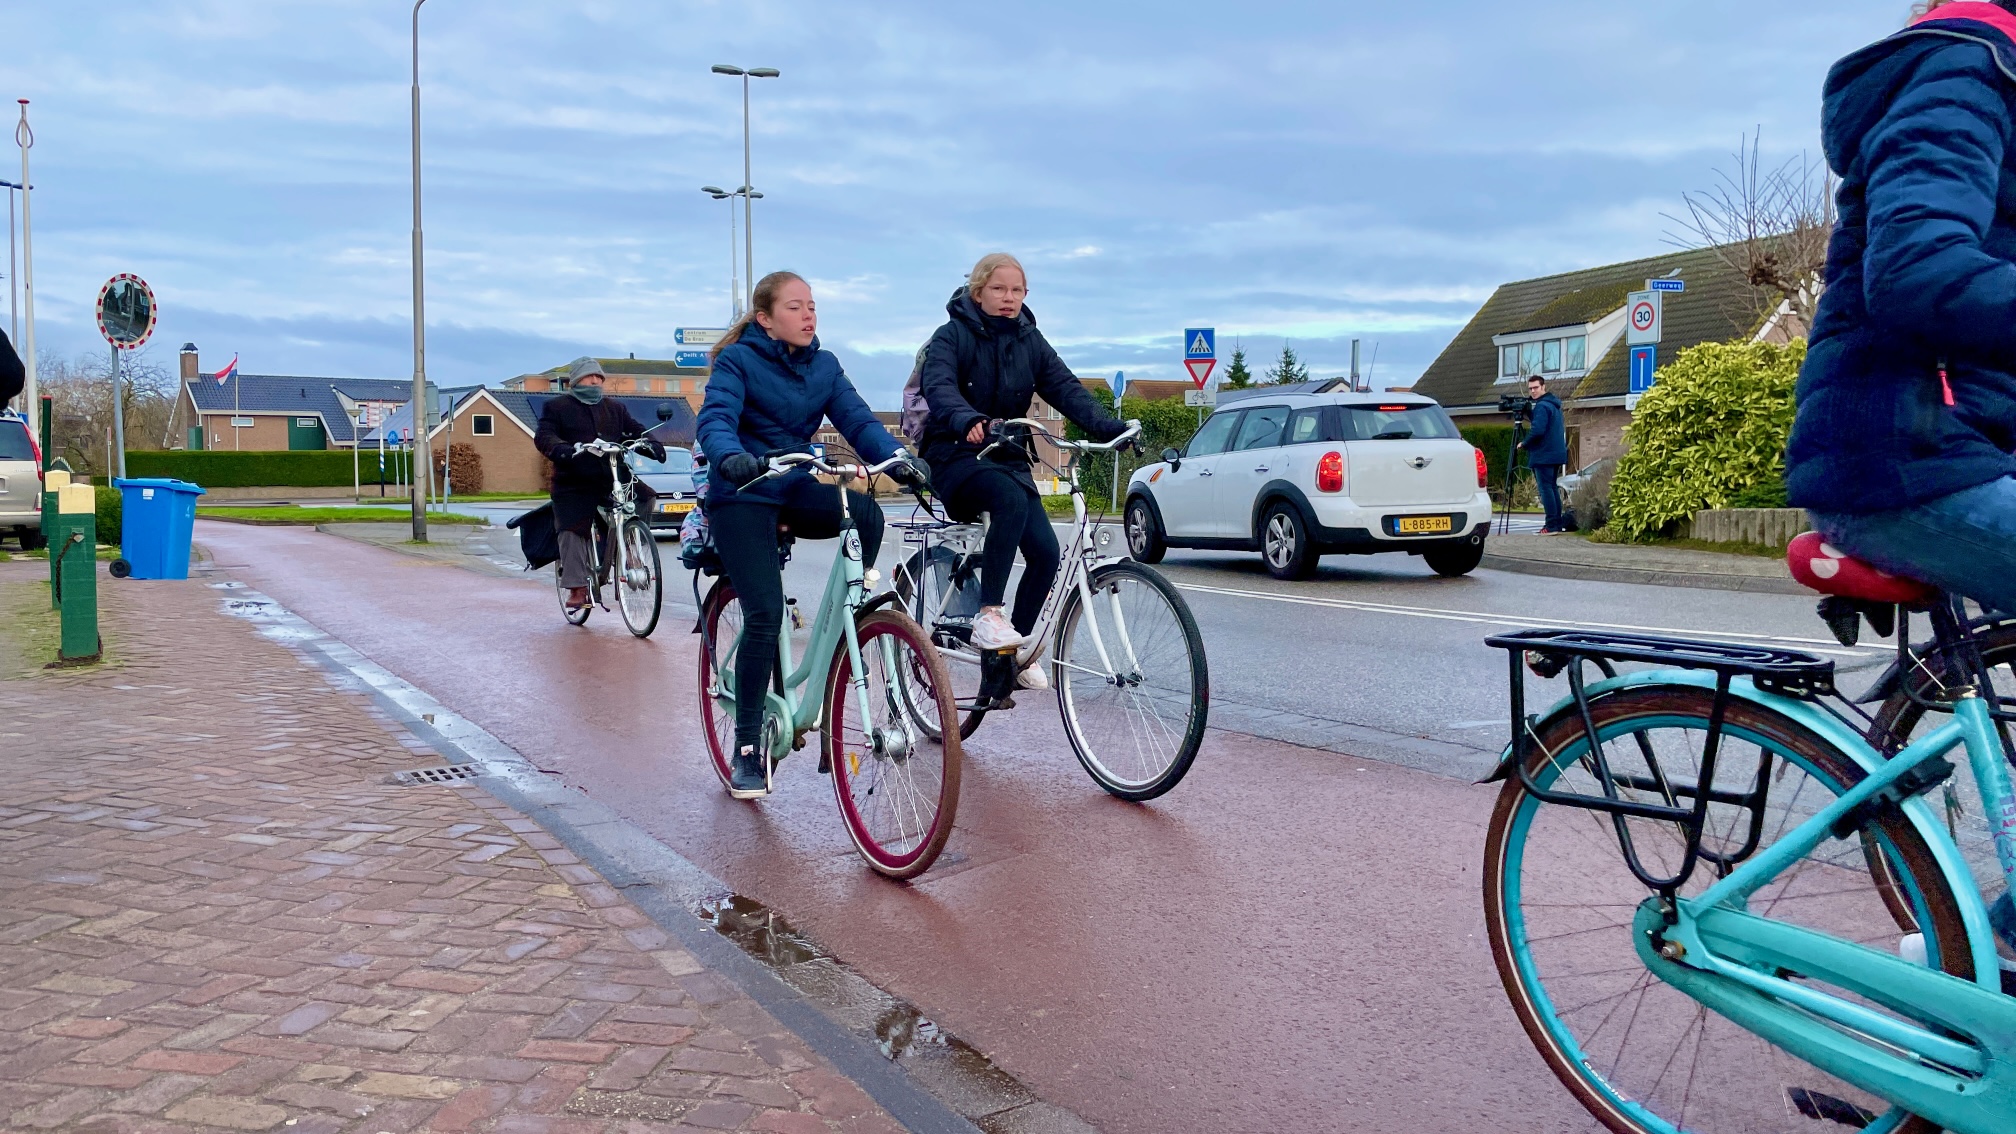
1644, 368
1200, 342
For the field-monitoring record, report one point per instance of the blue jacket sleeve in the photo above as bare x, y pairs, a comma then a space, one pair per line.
1935, 167
856, 422
717, 428
951, 413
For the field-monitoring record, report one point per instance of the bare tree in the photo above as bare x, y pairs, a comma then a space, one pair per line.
1769, 227
81, 393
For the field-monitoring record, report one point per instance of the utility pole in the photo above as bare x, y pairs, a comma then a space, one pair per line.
24, 136
419, 304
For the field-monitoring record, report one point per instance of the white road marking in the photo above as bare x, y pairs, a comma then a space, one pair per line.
1816, 645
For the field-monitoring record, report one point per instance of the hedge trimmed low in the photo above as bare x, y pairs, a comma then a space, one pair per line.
322, 468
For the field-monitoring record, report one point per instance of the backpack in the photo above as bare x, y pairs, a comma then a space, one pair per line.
916, 411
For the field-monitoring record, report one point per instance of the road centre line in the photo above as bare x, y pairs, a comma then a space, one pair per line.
1483, 618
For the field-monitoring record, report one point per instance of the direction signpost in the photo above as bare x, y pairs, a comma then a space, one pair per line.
126, 318
690, 359
698, 336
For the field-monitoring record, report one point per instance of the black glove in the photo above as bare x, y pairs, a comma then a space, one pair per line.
911, 473
657, 449
739, 469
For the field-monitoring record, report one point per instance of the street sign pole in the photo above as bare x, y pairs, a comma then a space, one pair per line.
118, 461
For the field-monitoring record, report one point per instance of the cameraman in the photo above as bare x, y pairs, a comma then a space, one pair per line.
1546, 451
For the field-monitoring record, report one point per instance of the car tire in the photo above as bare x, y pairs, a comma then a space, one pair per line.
1285, 546
1144, 532
31, 539
1455, 560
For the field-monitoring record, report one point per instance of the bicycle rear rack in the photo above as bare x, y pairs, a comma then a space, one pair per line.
1552, 652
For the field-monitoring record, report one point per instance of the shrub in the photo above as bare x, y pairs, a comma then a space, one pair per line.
1765, 494
111, 509
466, 465
213, 469
1714, 426
1165, 424
1495, 441
1591, 499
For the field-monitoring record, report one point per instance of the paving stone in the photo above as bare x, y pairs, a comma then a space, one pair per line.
232, 1114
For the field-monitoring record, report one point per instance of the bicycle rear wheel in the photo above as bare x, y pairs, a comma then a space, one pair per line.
1132, 685
639, 583
720, 634
898, 788
941, 594
1643, 1057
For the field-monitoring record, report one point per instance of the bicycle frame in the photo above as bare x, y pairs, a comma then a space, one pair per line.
1961, 1075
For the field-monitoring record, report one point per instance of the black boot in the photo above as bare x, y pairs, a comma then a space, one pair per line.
747, 776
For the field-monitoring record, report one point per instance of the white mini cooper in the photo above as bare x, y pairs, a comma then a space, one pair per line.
1296, 476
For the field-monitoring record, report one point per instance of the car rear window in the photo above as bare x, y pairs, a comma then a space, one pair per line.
14, 444
1397, 423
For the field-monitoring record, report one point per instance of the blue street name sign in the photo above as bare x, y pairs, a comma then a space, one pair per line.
1200, 342
1644, 368
696, 359
1666, 285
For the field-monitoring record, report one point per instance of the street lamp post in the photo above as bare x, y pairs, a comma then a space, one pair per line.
24, 136
748, 213
423, 467
13, 269
734, 261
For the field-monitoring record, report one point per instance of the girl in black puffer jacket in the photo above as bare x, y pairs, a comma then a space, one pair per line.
986, 364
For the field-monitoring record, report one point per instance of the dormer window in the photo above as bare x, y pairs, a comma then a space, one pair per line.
1542, 352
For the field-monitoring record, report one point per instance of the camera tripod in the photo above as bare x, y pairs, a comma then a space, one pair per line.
1514, 468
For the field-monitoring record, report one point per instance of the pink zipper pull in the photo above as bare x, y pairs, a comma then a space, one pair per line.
1945, 386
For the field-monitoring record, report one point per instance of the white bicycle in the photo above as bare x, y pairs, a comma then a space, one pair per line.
1123, 649
622, 551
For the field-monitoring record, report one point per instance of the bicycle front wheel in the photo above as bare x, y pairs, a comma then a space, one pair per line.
898, 786
574, 617
720, 635
1642, 1056
932, 586
1132, 685
640, 585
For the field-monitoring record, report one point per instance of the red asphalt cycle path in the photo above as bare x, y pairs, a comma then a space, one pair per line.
1292, 940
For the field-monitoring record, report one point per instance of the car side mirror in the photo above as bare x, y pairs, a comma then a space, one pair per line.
1174, 457
665, 411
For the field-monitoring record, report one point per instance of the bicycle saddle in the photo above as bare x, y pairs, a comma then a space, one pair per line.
1817, 564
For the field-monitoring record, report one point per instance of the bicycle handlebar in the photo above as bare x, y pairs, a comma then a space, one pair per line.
784, 462
603, 448
1132, 431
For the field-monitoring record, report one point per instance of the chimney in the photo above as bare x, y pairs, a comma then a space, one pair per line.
189, 373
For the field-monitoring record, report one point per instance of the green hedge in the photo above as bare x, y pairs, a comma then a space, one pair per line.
110, 509
1711, 432
1165, 424
322, 468
1495, 441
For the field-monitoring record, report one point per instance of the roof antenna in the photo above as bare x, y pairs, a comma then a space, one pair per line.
1374, 365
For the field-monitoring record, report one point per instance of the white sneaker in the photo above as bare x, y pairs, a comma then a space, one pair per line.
993, 631
1032, 676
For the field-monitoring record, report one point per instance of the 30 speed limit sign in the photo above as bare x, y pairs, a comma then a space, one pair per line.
1647, 316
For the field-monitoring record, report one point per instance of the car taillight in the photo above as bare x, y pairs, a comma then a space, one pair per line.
1483, 469
1330, 473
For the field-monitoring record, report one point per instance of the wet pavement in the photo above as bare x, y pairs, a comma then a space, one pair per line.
1291, 940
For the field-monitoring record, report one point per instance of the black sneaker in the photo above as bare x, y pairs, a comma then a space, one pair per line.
747, 777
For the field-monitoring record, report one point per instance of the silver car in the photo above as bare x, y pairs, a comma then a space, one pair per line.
20, 484
673, 480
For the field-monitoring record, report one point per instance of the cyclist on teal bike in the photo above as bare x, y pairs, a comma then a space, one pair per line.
1902, 447
771, 387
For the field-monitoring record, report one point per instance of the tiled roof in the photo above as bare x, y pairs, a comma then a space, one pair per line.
1714, 308
634, 366
525, 407
279, 393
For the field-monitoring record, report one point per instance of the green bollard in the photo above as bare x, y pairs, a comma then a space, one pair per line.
74, 552
53, 482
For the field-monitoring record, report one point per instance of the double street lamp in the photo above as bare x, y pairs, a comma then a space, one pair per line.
13, 267
734, 285
748, 214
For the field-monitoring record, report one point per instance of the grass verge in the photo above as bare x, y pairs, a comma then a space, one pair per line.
312, 516
1754, 550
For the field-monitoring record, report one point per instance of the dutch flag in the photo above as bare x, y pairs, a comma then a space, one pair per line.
229, 372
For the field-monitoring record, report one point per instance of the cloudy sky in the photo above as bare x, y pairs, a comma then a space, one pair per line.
1304, 169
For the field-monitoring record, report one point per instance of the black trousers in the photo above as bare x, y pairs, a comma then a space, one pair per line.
1016, 520
745, 533
1546, 478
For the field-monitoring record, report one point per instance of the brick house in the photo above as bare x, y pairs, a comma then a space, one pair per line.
266, 412
632, 376
1569, 329
500, 425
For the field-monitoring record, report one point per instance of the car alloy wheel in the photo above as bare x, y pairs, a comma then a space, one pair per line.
1282, 540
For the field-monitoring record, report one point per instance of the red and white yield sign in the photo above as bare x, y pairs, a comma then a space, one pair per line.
1200, 369
126, 311
1646, 314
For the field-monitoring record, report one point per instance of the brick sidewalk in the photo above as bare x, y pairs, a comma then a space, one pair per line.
215, 913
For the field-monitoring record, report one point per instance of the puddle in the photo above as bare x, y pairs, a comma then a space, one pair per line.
957, 1072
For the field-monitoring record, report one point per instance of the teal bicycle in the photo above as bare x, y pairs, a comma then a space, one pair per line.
1717, 908
872, 685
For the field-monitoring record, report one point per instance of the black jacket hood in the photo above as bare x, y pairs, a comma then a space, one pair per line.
962, 307
1861, 87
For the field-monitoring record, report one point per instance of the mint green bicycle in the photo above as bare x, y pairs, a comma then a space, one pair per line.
872, 685
1716, 908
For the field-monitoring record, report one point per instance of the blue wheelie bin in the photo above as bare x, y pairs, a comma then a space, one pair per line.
158, 517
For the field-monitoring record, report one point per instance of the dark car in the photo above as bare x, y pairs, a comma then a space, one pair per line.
674, 481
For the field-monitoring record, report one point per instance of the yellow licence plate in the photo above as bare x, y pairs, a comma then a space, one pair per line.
676, 507
1423, 525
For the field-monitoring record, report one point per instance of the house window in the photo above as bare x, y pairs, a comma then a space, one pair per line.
1529, 358
1550, 356
483, 424
1577, 353
1508, 362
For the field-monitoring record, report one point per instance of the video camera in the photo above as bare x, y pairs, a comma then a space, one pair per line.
1518, 405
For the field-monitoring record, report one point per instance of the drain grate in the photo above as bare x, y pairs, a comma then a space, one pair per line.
440, 774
